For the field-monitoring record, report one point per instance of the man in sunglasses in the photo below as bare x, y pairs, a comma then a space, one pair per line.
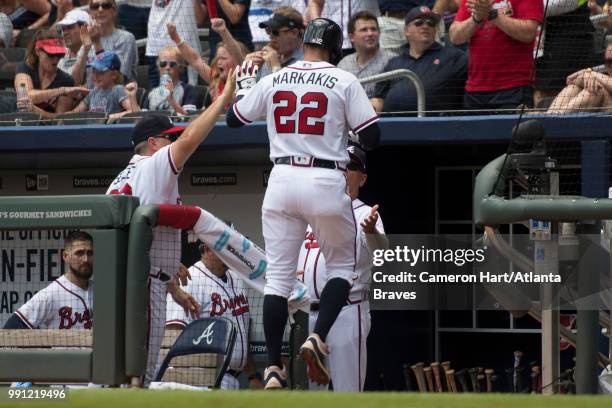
442, 70
152, 176
347, 337
285, 29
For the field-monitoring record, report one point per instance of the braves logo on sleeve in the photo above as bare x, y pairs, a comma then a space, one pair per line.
61, 305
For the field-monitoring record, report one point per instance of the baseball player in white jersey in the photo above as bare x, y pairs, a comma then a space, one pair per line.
66, 302
347, 337
152, 176
308, 118
220, 292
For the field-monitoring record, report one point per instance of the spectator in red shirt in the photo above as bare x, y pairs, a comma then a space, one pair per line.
501, 36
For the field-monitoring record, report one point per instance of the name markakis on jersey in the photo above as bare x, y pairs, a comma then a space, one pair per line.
451, 272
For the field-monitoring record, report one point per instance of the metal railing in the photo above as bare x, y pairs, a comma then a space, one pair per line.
599, 18
402, 73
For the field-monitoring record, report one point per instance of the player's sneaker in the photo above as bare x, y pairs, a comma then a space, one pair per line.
275, 378
313, 353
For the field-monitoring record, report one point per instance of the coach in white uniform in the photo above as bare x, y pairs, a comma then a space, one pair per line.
310, 106
66, 302
220, 292
347, 337
152, 176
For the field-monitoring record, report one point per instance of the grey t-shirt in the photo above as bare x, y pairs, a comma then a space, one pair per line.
374, 66
123, 44
109, 101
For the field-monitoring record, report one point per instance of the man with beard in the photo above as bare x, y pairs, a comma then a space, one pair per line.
66, 302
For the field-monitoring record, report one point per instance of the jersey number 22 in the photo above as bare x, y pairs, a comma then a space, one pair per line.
281, 113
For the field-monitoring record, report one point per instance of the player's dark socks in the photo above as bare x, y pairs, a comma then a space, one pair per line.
333, 298
274, 321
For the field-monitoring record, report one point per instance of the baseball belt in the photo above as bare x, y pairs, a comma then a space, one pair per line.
302, 161
162, 276
233, 373
314, 307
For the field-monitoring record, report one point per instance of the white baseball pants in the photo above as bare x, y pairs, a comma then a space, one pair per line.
347, 344
296, 197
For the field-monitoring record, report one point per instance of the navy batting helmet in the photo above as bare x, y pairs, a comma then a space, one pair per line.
325, 33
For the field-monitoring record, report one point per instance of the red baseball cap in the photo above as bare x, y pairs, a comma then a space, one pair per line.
52, 45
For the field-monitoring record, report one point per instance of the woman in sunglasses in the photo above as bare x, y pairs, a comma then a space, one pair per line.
586, 90
50, 89
175, 95
105, 36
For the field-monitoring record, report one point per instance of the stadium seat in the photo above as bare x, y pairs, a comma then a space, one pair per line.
20, 119
13, 54
80, 118
25, 37
142, 76
203, 96
140, 95
201, 353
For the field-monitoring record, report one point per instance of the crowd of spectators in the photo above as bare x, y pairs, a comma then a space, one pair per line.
480, 56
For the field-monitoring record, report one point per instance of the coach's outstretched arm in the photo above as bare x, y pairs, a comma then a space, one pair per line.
199, 129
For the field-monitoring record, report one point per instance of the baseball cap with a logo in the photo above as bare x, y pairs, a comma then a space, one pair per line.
104, 61
152, 125
421, 11
358, 158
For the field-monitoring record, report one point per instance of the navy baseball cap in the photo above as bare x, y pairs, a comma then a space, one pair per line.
357, 156
279, 21
104, 61
154, 124
421, 11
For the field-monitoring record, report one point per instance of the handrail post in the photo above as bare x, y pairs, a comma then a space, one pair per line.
402, 73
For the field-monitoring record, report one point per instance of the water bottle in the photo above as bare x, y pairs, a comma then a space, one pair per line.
24, 98
165, 80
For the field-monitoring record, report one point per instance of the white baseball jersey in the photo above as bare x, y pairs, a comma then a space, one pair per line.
312, 261
348, 335
217, 298
154, 180
61, 305
341, 11
310, 107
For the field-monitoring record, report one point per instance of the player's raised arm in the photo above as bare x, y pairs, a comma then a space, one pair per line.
199, 129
